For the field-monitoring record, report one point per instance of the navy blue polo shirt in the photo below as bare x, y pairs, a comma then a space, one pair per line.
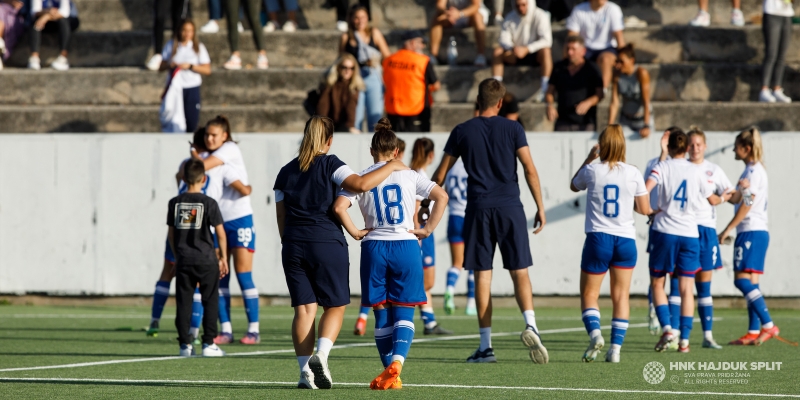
488, 147
308, 198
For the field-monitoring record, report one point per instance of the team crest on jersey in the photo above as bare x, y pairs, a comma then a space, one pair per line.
189, 215
747, 244
709, 173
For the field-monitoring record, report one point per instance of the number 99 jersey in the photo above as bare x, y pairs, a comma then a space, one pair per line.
610, 196
389, 208
456, 184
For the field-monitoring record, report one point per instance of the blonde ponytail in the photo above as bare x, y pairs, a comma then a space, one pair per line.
316, 134
752, 137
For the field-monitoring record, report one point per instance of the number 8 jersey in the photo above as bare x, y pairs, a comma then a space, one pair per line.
682, 190
389, 208
610, 194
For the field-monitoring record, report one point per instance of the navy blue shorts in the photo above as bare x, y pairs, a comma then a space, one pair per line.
455, 229
710, 257
673, 254
486, 228
428, 250
602, 251
750, 251
317, 273
592, 55
391, 272
241, 232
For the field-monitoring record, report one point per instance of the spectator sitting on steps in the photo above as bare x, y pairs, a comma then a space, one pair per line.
12, 25
460, 14
599, 23
339, 97
52, 16
272, 12
631, 83
579, 87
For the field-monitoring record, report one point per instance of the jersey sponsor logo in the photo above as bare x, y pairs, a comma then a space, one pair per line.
189, 215
709, 173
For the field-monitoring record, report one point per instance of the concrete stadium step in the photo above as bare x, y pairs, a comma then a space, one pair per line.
273, 118
123, 15
284, 86
658, 44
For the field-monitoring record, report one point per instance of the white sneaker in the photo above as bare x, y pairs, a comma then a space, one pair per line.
703, 19
306, 380
480, 60
60, 64
1, 63
342, 26
530, 338
764, 97
234, 63
154, 63
262, 62
212, 350
498, 20
269, 27
595, 345
319, 366
186, 350
240, 27
289, 26
2, 46
780, 97
737, 17
612, 357
210, 27
34, 63
634, 22
538, 97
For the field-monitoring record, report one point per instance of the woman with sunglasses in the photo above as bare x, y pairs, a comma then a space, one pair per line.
339, 95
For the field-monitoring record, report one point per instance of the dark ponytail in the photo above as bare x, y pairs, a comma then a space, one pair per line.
422, 148
222, 122
384, 140
678, 142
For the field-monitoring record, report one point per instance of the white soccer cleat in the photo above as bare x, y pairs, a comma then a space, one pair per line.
212, 350
676, 334
595, 345
154, 63
319, 366
538, 353
60, 64
711, 344
306, 380
703, 19
210, 27
666, 341
612, 356
186, 350
652, 321
737, 17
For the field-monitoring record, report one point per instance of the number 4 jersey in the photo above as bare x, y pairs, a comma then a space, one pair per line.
681, 192
610, 194
389, 208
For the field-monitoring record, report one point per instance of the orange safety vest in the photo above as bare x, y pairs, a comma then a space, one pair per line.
404, 79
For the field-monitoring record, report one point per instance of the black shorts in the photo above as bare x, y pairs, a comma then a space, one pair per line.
413, 123
317, 273
592, 55
529, 60
486, 228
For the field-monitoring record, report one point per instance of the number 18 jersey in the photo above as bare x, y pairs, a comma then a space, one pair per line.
609, 197
389, 208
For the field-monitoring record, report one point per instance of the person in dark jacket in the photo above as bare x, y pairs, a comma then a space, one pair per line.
339, 94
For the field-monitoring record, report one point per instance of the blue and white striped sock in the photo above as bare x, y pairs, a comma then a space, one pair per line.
403, 333
663, 314
756, 300
384, 326
250, 294
159, 300
426, 313
471, 286
591, 320
619, 327
705, 307
686, 326
225, 304
363, 312
674, 302
197, 313
452, 278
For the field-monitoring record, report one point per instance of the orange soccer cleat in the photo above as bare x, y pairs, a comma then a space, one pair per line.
389, 378
361, 327
745, 340
767, 334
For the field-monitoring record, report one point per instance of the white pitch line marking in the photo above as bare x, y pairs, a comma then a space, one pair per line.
364, 385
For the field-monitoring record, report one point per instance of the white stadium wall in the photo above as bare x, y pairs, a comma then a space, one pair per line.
85, 214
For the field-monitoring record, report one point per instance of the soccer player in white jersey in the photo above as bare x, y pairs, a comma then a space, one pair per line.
216, 180
674, 242
710, 257
392, 278
614, 190
752, 236
456, 186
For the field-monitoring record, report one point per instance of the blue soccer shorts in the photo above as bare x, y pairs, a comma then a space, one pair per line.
391, 271
673, 254
428, 250
455, 228
602, 251
241, 233
750, 251
710, 256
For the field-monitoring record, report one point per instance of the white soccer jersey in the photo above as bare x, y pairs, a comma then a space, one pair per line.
233, 205
650, 164
682, 187
217, 179
756, 219
719, 183
456, 184
390, 208
609, 197
420, 198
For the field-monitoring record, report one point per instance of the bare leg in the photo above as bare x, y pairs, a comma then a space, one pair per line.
457, 254
686, 285
437, 28
303, 329
606, 62
483, 297
621, 292
497, 61
330, 323
480, 32
703, 4
545, 58
590, 290
522, 289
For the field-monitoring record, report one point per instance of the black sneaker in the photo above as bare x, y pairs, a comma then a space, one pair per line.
437, 330
485, 356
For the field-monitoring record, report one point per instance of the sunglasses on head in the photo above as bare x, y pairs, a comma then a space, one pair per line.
342, 67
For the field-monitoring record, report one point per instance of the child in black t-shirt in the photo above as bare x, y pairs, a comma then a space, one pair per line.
191, 217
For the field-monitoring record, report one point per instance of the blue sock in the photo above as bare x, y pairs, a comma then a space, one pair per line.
250, 294
674, 302
403, 332
591, 320
705, 305
364, 312
225, 304
384, 326
197, 309
663, 314
754, 299
452, 277
619, 327
471, 285
159, 299
426, 313
686, 326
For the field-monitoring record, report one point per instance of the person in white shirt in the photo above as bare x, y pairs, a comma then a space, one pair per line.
614, 190
52, 16
525, 39
456, 186
710, 257
460, 14
600, 24
188, 57
752, 236
674, 242
777, 29
392, 278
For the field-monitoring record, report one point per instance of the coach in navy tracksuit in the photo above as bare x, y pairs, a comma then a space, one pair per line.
315, 259
490, 146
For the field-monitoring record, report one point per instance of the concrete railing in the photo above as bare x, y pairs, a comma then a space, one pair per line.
85, 214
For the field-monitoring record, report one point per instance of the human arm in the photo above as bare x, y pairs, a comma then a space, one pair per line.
340, 207
641, 204
550, 99
240, 187
171, 239
444, 167
736, 195
280, 212
543, 33
644, 83
741, 213
532, 178
343, 42
440, 197
583, 107
361, 183
664, 147
593, 155
505, 40
202, 69
223, 251
380, 41
613, 107
714, 199
620, 38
